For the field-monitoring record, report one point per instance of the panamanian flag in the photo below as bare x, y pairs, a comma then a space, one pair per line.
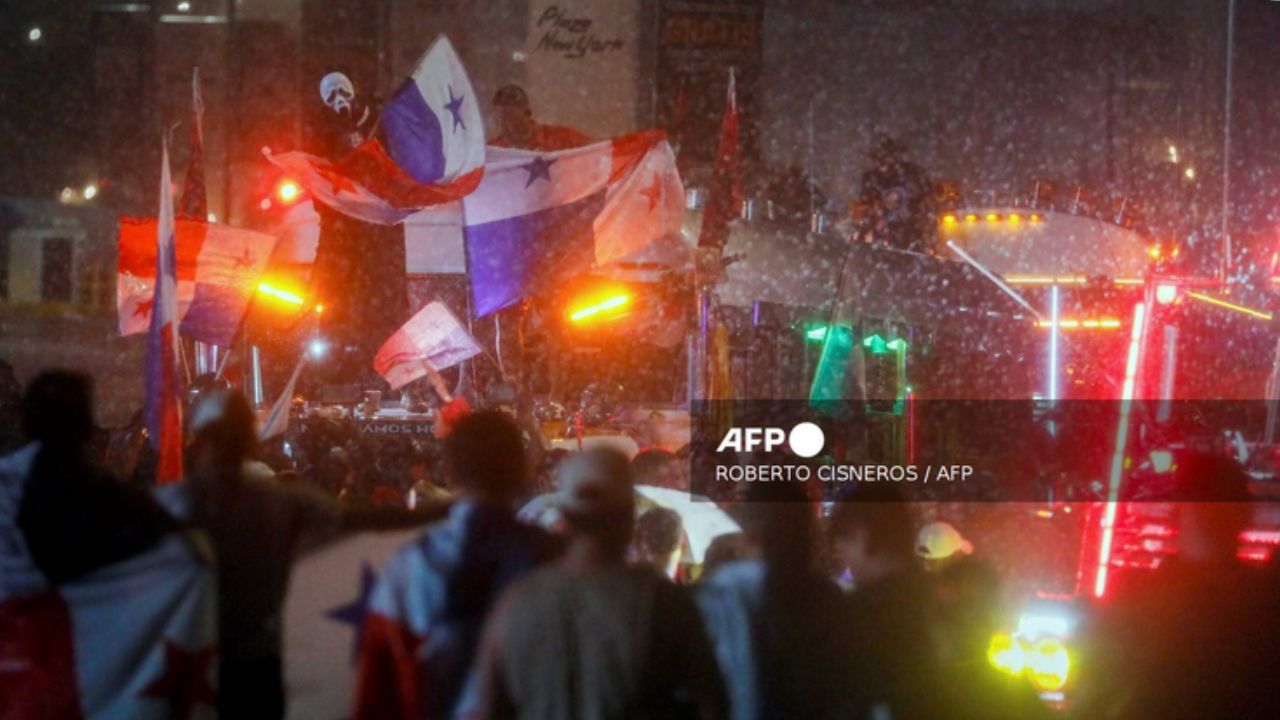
539, 218
436, 148
136, 639
217, 267
164, 387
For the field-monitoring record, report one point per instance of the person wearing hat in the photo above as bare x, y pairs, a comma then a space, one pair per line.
899, 198
938, 544
517, 128
590, 636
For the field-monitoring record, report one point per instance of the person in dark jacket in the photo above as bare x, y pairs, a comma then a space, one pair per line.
74, 515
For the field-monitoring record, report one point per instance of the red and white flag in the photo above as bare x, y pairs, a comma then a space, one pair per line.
217, 267
432, 339
137, 639
164, 385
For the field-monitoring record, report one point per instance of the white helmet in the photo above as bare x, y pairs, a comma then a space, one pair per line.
337, 92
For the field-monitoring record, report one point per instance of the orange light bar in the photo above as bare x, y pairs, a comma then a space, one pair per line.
613, 303
275, 292
1087, 324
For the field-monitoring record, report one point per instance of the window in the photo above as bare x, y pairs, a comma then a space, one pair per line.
55, 270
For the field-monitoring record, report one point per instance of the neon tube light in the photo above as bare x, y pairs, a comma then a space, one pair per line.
1117, 460
277, 293
1229, 306
612, 303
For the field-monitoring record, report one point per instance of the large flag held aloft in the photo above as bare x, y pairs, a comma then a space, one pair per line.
432, 339
539, 218
436, 153
164, 391
218, 268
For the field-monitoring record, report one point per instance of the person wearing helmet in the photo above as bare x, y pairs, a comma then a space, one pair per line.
258, 528
939, 544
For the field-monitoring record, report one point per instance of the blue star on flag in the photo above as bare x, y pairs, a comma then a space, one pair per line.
455, 107
353, 612
539, 167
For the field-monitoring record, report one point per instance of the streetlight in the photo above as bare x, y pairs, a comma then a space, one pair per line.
35, 34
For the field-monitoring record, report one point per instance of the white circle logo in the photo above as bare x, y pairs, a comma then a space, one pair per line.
806, 440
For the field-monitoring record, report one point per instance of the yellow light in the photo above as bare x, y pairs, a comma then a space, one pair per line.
971, 218
613, 303
1014, 218
1048, 665
1045, 280
949, 219
1153, 251
1035, 217
1230, 306
1190, 173
319, 309
272, 291
1005, 653
1089, 324
288, 191
992, 217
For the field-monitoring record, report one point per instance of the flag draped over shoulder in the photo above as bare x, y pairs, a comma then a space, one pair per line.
539, 218
436, 148
164, 392
432, 339
217, 269
136, 639
725, 195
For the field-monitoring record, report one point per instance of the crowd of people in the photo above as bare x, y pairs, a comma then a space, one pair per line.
861, 613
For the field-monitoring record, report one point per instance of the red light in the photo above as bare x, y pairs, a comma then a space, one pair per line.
288, 191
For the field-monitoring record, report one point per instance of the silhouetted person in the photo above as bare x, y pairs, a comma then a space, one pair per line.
899, 197
258, 528
74, 515
775, 621
892, 661
590, 637
444, 583
10, 410
359, 269
658, 535
1197, 637
518, 129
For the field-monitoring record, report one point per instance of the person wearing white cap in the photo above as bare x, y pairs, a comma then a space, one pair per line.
938, 543
589, 636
